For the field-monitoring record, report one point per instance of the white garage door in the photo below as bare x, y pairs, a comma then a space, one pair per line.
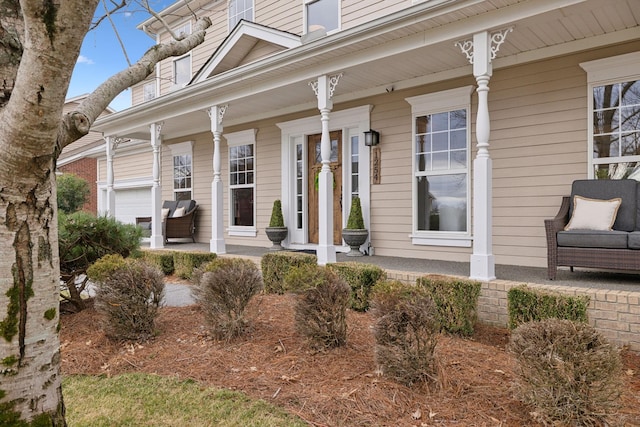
131, 203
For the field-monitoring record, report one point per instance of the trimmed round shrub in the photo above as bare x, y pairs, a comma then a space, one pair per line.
569, 374
321, 306
406, 329
223, 289
128, 295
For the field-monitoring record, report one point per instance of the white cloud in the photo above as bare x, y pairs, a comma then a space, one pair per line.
84, 60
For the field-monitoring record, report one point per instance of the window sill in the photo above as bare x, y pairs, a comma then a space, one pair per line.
450, 241
243, 231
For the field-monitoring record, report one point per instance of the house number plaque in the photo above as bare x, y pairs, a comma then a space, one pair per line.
376, 160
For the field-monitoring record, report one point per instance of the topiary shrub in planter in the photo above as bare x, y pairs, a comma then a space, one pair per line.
568, 373
406, 331
276, 231
223, 289
321, 305
355, 234
128, 295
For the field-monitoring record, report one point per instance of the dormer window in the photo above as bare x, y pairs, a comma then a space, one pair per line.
240, 9
322, 15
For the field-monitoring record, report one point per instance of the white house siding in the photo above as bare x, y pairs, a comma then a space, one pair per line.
285, 15
127, 166
356, 12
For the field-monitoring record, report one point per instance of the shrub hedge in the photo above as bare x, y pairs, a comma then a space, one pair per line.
456, 300
361, 278
275, 266
525, 304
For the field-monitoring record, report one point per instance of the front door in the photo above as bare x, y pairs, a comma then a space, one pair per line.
315, 164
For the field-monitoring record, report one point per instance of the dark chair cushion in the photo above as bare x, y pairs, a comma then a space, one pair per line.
171, 205
593, 239
187, 204
634, 240
606, 189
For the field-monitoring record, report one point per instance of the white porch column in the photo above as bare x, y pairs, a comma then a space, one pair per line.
480, 52
157, 239
111, 142
326, 250
217, 245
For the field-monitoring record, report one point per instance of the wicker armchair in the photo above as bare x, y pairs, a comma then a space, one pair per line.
618, 249
174, 227
183, 226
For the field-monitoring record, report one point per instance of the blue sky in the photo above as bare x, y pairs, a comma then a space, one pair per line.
101, 55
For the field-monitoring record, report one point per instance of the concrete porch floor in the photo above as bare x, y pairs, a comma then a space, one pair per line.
581, 278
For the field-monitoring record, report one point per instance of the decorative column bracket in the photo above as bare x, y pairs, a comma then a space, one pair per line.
333, 82
116, 141
496, 40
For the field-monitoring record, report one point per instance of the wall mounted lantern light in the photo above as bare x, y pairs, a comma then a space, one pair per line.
371, 138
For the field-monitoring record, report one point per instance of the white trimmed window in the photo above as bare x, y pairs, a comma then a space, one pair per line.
322, 14
182, 170
149, 91
240, 9
181, 71
441, 151
614, 117
242, 182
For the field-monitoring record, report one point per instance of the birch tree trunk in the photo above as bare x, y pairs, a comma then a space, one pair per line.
40, 42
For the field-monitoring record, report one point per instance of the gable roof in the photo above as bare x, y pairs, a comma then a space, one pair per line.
248, 41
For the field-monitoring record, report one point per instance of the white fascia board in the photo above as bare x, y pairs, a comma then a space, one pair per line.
168, 105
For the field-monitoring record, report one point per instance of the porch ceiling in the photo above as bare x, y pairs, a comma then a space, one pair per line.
402, 50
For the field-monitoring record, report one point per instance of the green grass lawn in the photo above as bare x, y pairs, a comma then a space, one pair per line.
150, 400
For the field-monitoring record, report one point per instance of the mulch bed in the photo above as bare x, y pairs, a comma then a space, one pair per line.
341, 387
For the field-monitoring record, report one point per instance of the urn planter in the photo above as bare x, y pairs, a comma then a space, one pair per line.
355, 239
276, 235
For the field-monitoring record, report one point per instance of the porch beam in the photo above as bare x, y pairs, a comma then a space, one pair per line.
217, 243
157, 236
324, 88
480, 51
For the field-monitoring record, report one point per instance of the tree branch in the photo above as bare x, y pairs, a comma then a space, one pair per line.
77, 123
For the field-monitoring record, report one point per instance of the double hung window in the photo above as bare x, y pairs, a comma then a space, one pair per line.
614, 117
182, 163
441, 153
242, 182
